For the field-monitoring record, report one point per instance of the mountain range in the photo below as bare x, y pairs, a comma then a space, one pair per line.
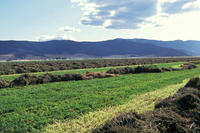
117, 48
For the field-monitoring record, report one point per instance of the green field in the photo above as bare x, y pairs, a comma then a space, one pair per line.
140, 104
83, 71
32, 108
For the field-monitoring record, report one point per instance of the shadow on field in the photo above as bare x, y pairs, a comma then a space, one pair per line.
176, 114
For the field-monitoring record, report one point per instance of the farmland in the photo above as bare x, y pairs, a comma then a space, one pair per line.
46, 66
83, 71
32, 108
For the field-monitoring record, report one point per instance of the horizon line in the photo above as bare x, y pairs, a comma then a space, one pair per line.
95, 41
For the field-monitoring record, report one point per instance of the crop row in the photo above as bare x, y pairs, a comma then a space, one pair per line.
28, 79
45, 66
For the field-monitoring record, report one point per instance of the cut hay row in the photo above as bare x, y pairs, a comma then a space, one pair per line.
179, 113
28, 79
139, 104
11, 77
46, 66
149, 69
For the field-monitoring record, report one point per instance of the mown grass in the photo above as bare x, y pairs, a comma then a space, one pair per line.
31, 108
140, 104
83, 71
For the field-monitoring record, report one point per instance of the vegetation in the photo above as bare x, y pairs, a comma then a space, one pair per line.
28, 79
31, 108
4, 83
179, 113
45, 66
84, 71
139, 103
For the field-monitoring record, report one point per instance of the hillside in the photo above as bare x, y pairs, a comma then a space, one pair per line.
190, 47
72, 49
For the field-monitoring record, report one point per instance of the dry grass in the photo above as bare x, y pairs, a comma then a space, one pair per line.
139, 104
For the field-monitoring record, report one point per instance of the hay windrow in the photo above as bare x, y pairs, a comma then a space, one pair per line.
149, 69
46, 66
93, 75
28, 79
4, 83
179, 113
188, 66
25, 79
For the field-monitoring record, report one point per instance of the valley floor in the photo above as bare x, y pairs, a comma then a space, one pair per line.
80, 106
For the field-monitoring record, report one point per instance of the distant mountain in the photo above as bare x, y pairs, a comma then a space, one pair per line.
190, 47
102, 49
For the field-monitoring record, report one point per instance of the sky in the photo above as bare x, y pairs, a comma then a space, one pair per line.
96, 20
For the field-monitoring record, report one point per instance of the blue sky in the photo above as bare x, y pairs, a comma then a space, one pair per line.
94, 20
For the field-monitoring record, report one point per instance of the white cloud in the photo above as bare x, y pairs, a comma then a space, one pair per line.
53, 37
69, 29
179, 6
64, 33
184, 27
116, 14
131, 14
